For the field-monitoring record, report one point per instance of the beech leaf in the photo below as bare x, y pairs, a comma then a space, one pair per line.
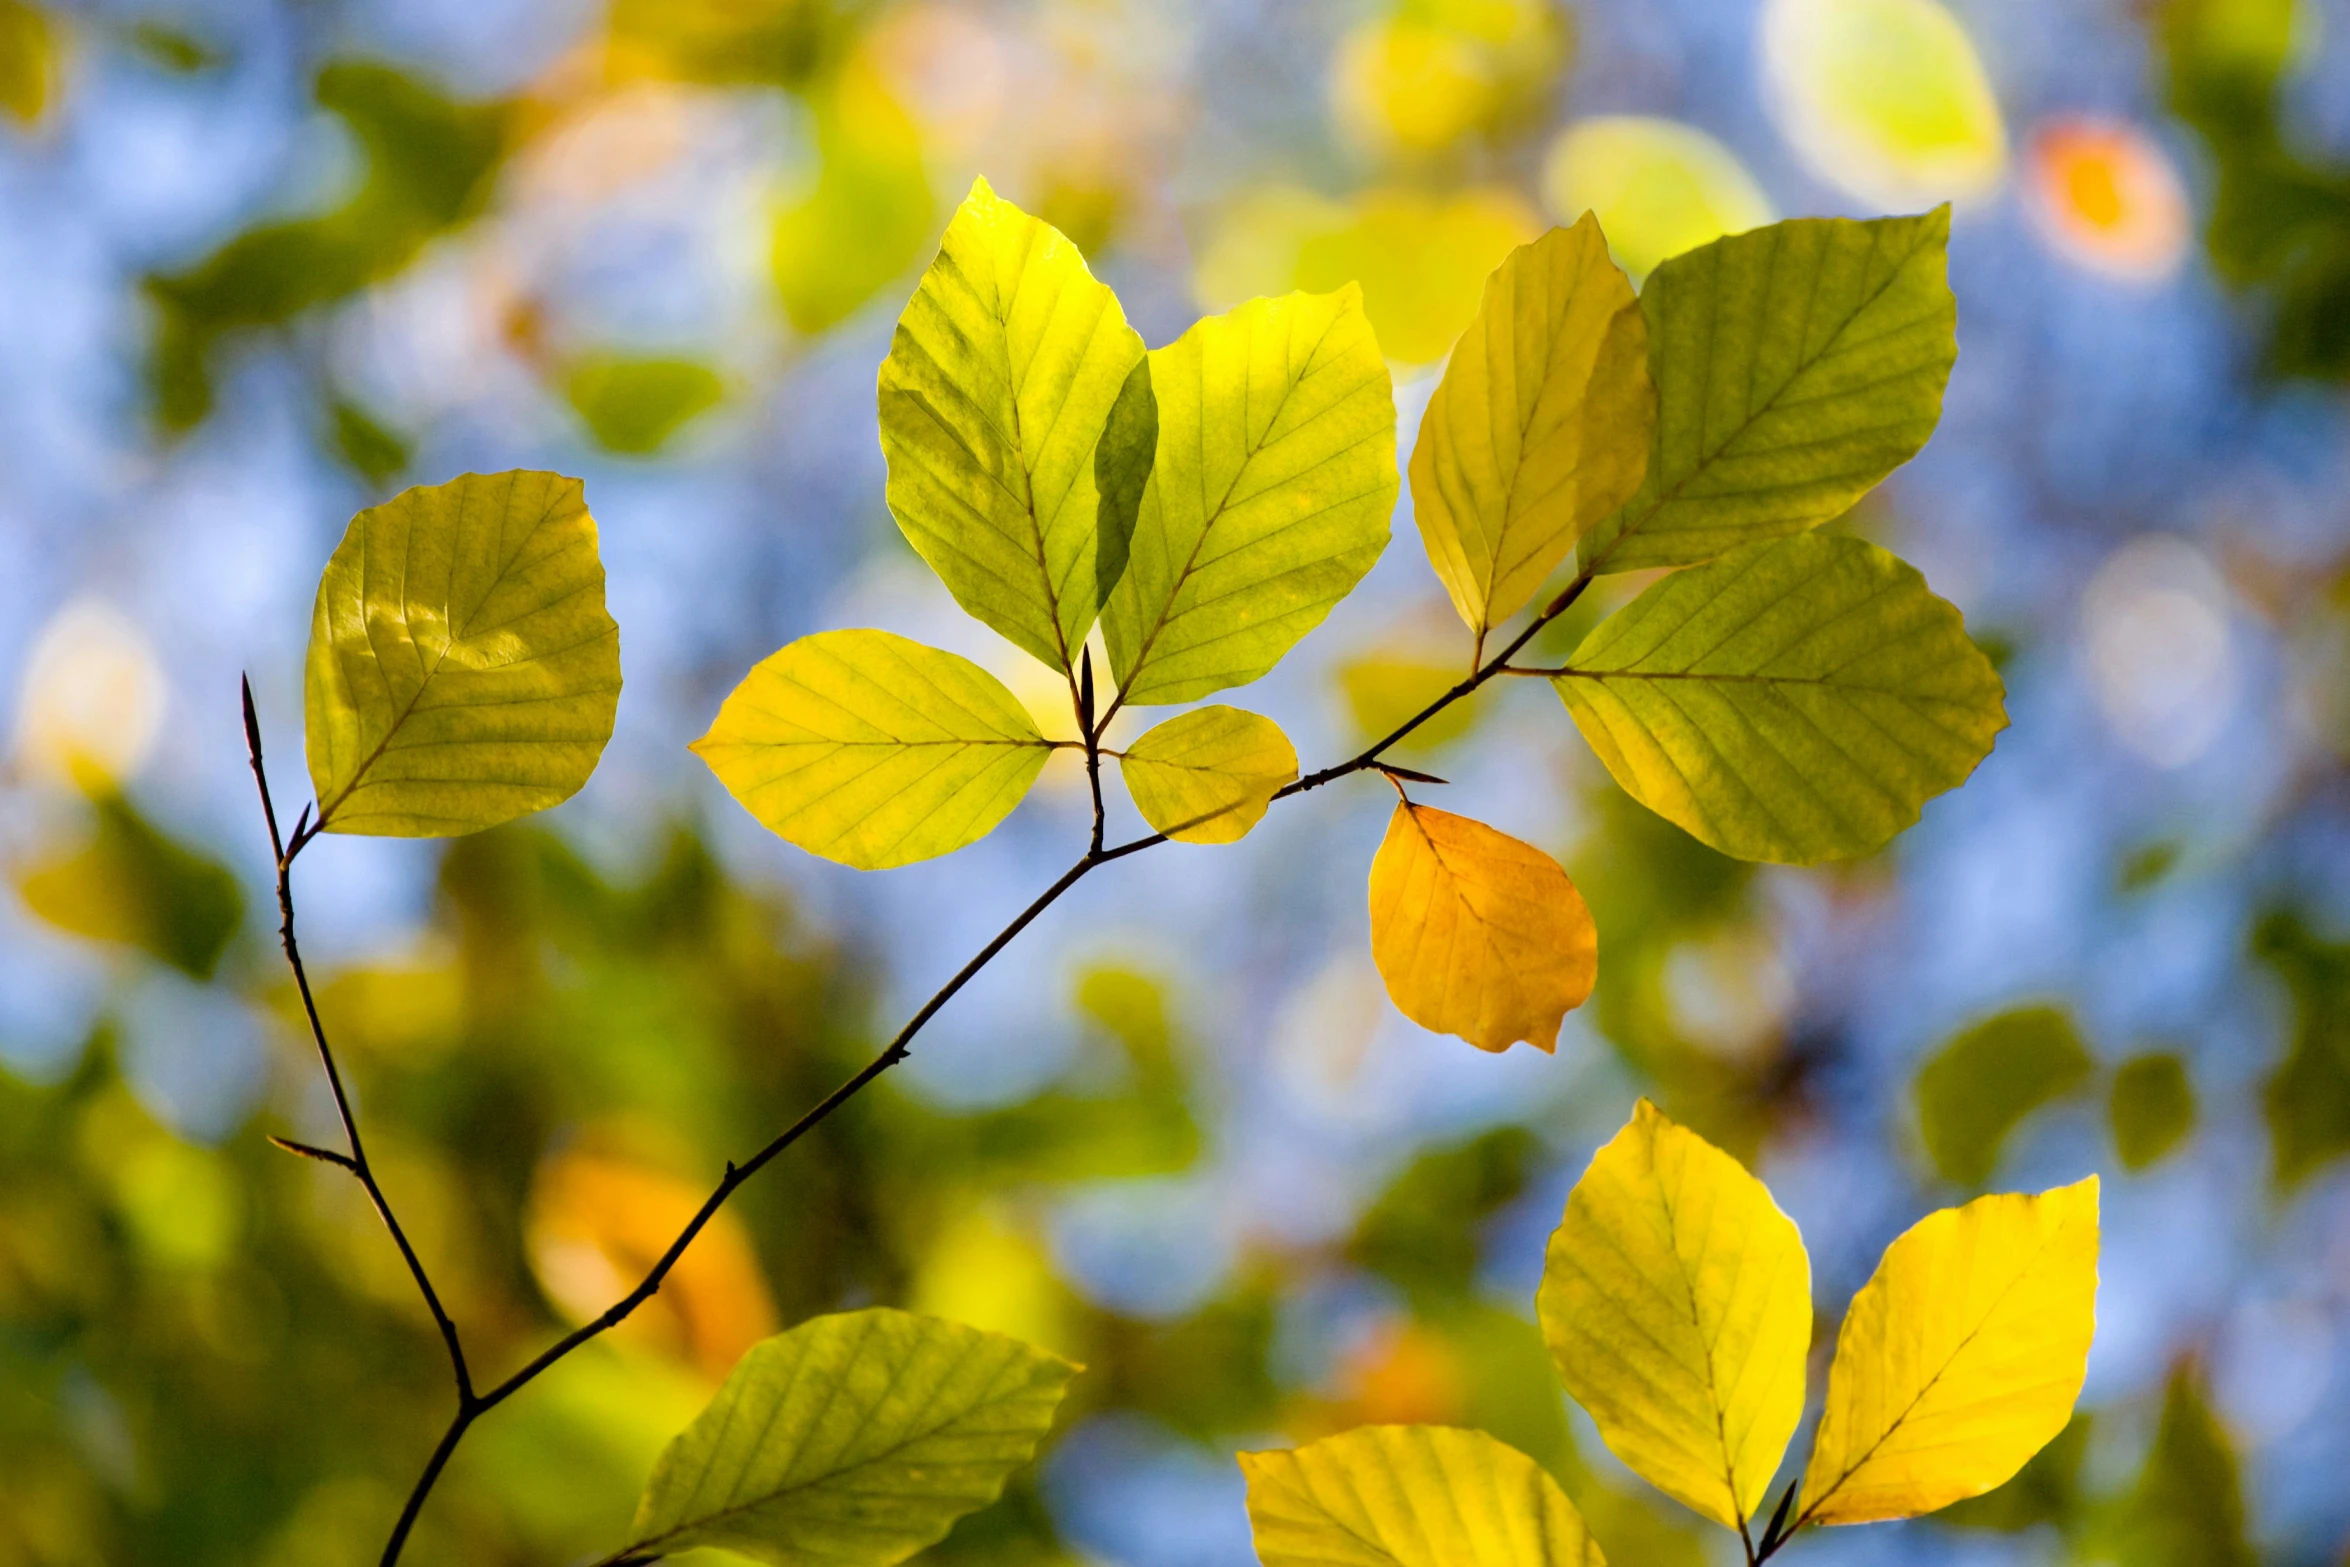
1206, 776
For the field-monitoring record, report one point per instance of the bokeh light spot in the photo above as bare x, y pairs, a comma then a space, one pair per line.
2154, 627
2106, 198
93, 698
1657, 186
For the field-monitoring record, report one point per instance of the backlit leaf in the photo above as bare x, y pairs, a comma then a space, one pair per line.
1422, 259
994, 397
1795, 367
1540, 426
1676, 1299
1207, 775
1657, 187
2152, 1107
462, 668
873, 750
1269, 499
1796, 701
855, 1440
1411, 1496
1987, 1078
1960, 1358
1476, 933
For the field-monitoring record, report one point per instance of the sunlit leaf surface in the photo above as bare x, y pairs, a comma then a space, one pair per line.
1411, 1496
1539, 428
1960, 1358
1797, 700
1676, 1299
1269, 499
1795, 367
1658, 187
1207, 776
873, 750
1476, 933
855, 1439
462, 668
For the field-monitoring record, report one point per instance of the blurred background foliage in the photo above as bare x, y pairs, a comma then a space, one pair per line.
269, 261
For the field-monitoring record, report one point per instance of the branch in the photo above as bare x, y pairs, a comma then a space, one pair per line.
472, 1407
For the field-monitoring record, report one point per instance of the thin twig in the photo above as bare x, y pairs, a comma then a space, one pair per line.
472, 1406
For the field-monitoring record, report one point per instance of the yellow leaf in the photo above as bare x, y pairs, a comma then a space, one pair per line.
1411, 1496
1421, 260
1960, 1358
1540, 426
873, 750
462, 668
1676, 1299
1477, 934
1208, 775
1657, 186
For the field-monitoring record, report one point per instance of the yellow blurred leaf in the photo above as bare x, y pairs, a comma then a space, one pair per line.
30, 58
1207, 776
868, 219
1658, 187
132, 883
1411, 1496
1422, 261
632, 404
1959, 1359
1676, 1299
1478, 934
597, 1224
1401, 85
1540, 427
1886, 98
1383, 689
983, 1271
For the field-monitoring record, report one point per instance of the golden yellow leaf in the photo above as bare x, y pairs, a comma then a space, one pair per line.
1676, 1299
1540, 427
1207, 776
1411, 1496
1960, 1358
1476, 933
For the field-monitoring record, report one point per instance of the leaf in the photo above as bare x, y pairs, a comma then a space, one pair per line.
1795, 701
1795, 367
1411, 1496
2152, 1108
633, 404
1676, 1299
1657, 187
1959, 1359
998, 385
869, 216
135, 884
1208, 775
855, 1439
2187, 1509
1981, 1084
1540, 427
1421, 258
1269, 499
873, 750
462, 668
1386, 687
1477, 934
2307, 1097
29, 60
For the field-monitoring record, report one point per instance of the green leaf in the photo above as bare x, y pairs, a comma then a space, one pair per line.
133, 883
2152, 1108
853, 1440
870, 215
2187, 1509
1795, 701
462, 669
1206, 776
996, 392
632, 404
2308, 1096
1540, 427
1269, 500
1411, 1496
873, 750
1987, 1079
1795, 367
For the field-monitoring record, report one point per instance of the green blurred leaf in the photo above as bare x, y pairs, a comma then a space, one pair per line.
2187, 1509
868, 219
1411, 1496
2308, 1095
854, 1439
1797, 700
371, 449
873, 750
462, 668
2151, 1107
132, 883
2047, 1490
1795, 367
1206, 776
429, 161
175, 49
1540, 427
1383, 689
633, 404
30, 51
998, 387
1987, 1078
1269, 499
720, 43
1424, 1232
